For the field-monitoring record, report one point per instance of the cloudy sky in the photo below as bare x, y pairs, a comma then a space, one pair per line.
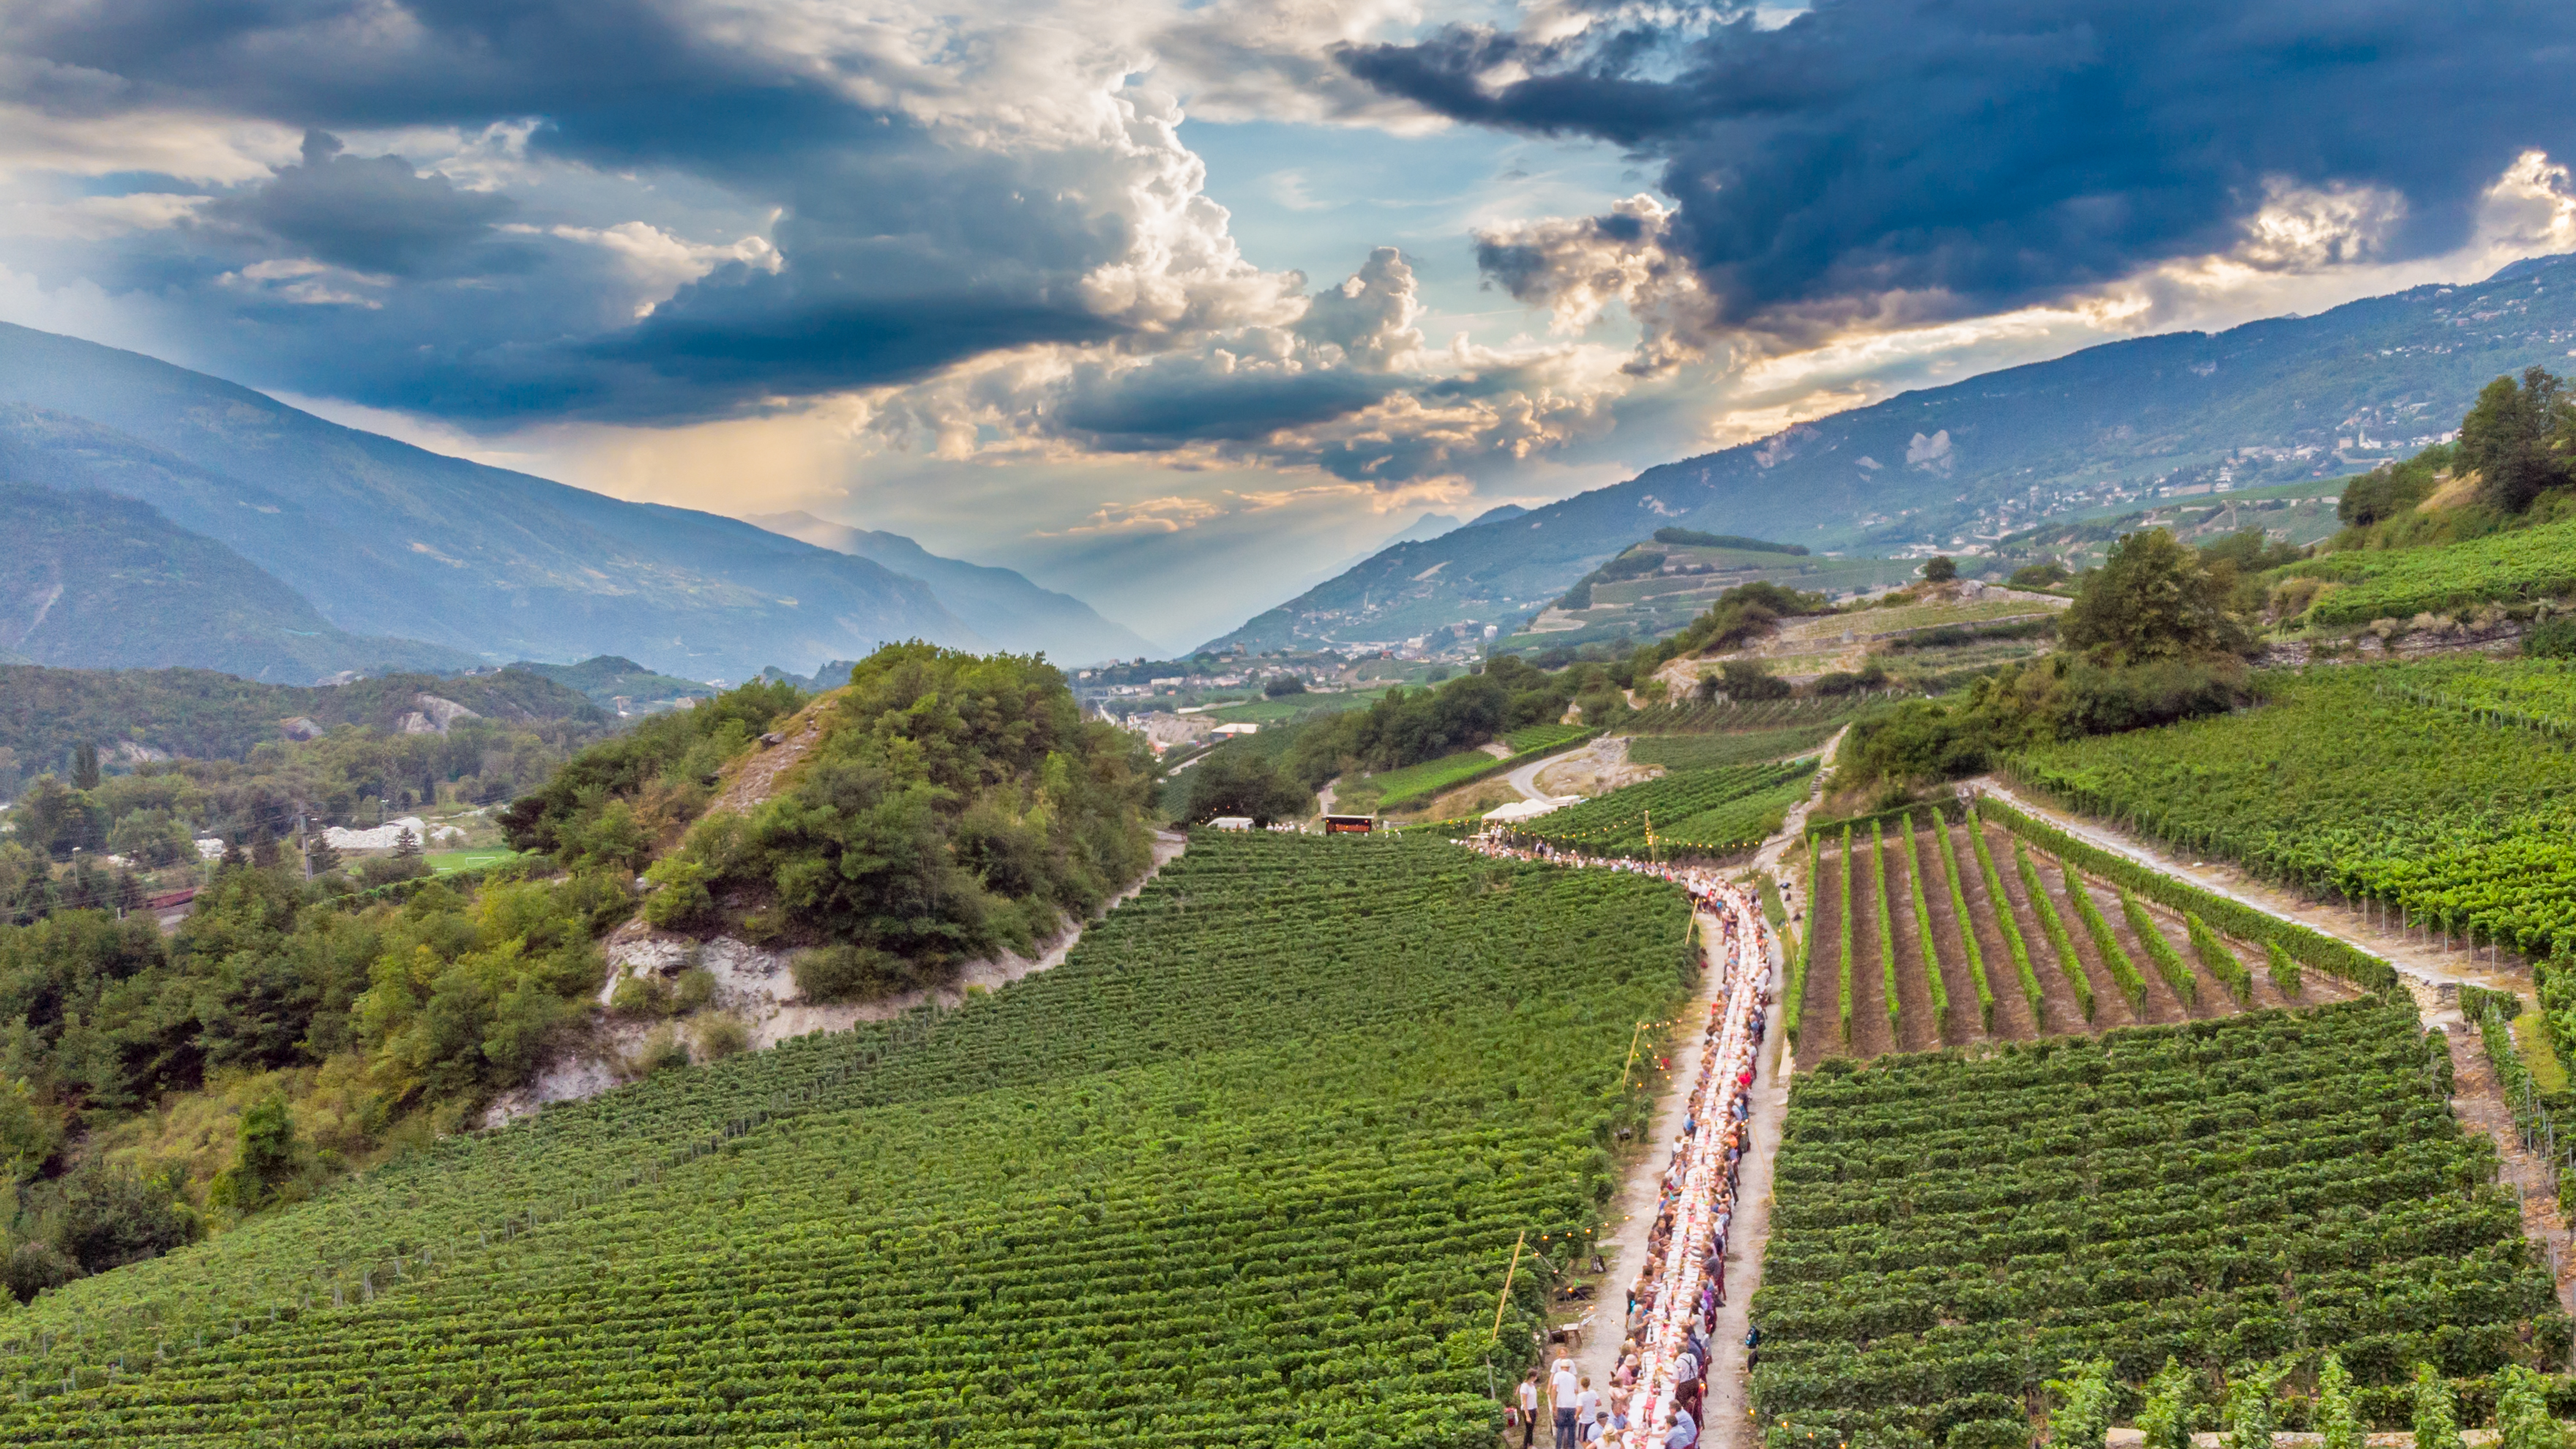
1179, 306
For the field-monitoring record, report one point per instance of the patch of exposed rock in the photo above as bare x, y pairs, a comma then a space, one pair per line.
757, 987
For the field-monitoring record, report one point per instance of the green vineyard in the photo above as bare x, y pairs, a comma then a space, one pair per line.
1246, 1169
2342, 783
1951, 1230
1712, 811
1986, 940
2513, 567
1716, 751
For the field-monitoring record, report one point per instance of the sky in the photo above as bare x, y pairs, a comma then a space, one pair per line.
1182, 305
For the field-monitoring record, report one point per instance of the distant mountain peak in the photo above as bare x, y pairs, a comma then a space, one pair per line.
1000, 604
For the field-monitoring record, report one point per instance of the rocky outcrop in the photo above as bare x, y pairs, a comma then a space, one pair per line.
2490, 631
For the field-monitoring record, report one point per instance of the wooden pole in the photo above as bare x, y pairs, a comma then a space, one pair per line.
1501, 1303
1632, 1054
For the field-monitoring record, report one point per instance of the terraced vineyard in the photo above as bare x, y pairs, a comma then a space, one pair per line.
2345, 782
1982, 936
2514, 567
1245, 1169
1949, 1231
1711, 812
1803, 712
1716, 751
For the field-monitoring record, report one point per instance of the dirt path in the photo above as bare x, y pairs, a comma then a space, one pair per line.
2478, 1101
757, 777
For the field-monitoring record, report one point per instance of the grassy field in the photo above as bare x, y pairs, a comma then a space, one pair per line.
1419, 782
1267, 712
447, 862
1716, 751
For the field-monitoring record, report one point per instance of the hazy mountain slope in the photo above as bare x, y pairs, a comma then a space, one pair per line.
1938, 464
998, 603
44, 713
383, 537
605, 679
90, 580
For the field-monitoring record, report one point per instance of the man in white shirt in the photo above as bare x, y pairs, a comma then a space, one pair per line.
1586, 1403
1563, 1386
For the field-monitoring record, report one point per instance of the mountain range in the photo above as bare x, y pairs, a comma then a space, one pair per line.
402, 557
2284, 398
997, 603
94, 581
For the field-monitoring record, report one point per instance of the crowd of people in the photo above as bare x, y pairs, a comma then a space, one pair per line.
1656, 1398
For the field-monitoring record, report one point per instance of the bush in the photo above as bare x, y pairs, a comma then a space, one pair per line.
843, 972
35, 1266
109, 1217
2552, 639
1280, 686
721, 1036
1748, 683
662, 1051
1940, 569
2039, 576
386, 870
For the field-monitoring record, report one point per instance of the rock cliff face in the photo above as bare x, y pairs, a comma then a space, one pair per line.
2489, 632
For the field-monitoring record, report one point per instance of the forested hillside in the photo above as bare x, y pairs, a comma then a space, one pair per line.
201, 714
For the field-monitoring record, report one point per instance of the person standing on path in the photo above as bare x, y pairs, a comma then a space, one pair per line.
1563, 1386
1529, 1407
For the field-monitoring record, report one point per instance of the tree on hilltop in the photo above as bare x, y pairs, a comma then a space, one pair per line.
2521, 439
2153, 599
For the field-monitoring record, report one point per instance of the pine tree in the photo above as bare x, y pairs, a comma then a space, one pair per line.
406, 845
264, 851
321, 857
85, 766
233, 854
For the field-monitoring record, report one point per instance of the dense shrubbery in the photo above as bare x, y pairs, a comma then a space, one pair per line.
2047, 700
2152, 639
420, 1010
1411, 726
954, 805
618, 800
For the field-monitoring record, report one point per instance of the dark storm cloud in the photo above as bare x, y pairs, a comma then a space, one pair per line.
1182, 399
367, 213
899, 249
2001, 151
